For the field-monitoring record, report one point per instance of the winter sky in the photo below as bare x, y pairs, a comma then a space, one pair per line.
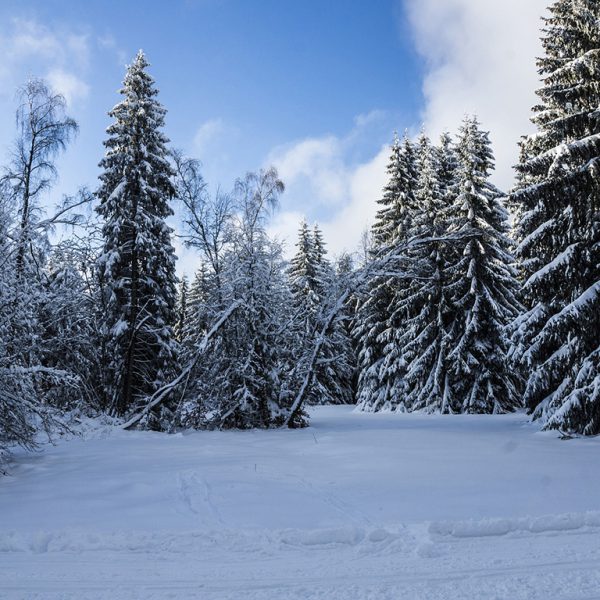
314, 87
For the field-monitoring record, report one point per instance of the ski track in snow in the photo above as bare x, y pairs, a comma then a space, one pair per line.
373, 507
195, 493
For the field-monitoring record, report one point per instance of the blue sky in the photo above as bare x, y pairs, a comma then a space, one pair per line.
315, 87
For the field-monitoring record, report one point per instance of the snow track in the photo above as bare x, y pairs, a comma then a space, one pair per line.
373, 507
327, 564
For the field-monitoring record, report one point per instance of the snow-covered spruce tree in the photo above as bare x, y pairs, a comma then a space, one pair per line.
201, 310
447, 164
303, 279
423, 314
336, 365
482, 281
182, 312
312, 281
380, 386
137, 266
558, 226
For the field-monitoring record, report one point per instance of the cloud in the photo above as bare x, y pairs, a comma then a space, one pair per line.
344, 226
31, 49
324, 183
480, 59
67, 84
316, 164
210, 132
344, 230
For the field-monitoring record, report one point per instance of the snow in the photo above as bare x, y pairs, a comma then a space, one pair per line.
358, 506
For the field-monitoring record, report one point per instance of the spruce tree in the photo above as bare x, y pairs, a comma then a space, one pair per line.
303, 278
424, 313
137, 266
380, 377
483, 283
182, 315
313, 286
200, 312
558, 226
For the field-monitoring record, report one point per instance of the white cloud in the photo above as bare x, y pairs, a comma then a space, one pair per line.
344, 230
480, 58
284, 227
318, 165
208, 133
29, 48
324, 185
67, 84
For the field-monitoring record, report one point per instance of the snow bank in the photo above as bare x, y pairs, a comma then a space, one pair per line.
266, 541
496, 527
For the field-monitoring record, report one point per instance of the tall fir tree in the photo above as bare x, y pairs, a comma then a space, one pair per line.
557, 203
380, 380
182, 316
137, 266
303, 272
200, 312
483, 282
424, 313
312, 282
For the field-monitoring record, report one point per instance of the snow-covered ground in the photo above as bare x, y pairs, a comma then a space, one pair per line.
358, 506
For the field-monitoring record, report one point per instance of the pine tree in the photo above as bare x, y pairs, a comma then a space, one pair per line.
424, 312
558, 226
182, 316
201, 309
312, 281
303, 273
380, 387
137, 265
483, 282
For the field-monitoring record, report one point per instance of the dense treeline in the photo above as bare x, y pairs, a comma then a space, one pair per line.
431, 330
450, 310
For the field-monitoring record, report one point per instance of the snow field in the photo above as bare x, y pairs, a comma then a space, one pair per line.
358, 506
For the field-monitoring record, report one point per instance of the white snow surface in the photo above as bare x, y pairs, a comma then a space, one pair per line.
358, 506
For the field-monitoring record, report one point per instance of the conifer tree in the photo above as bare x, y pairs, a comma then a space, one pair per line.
182, 310
558, 226
424, 313
201, 308
336, 366
137, 266
303, 278
312, 282
483, 282
379, 386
